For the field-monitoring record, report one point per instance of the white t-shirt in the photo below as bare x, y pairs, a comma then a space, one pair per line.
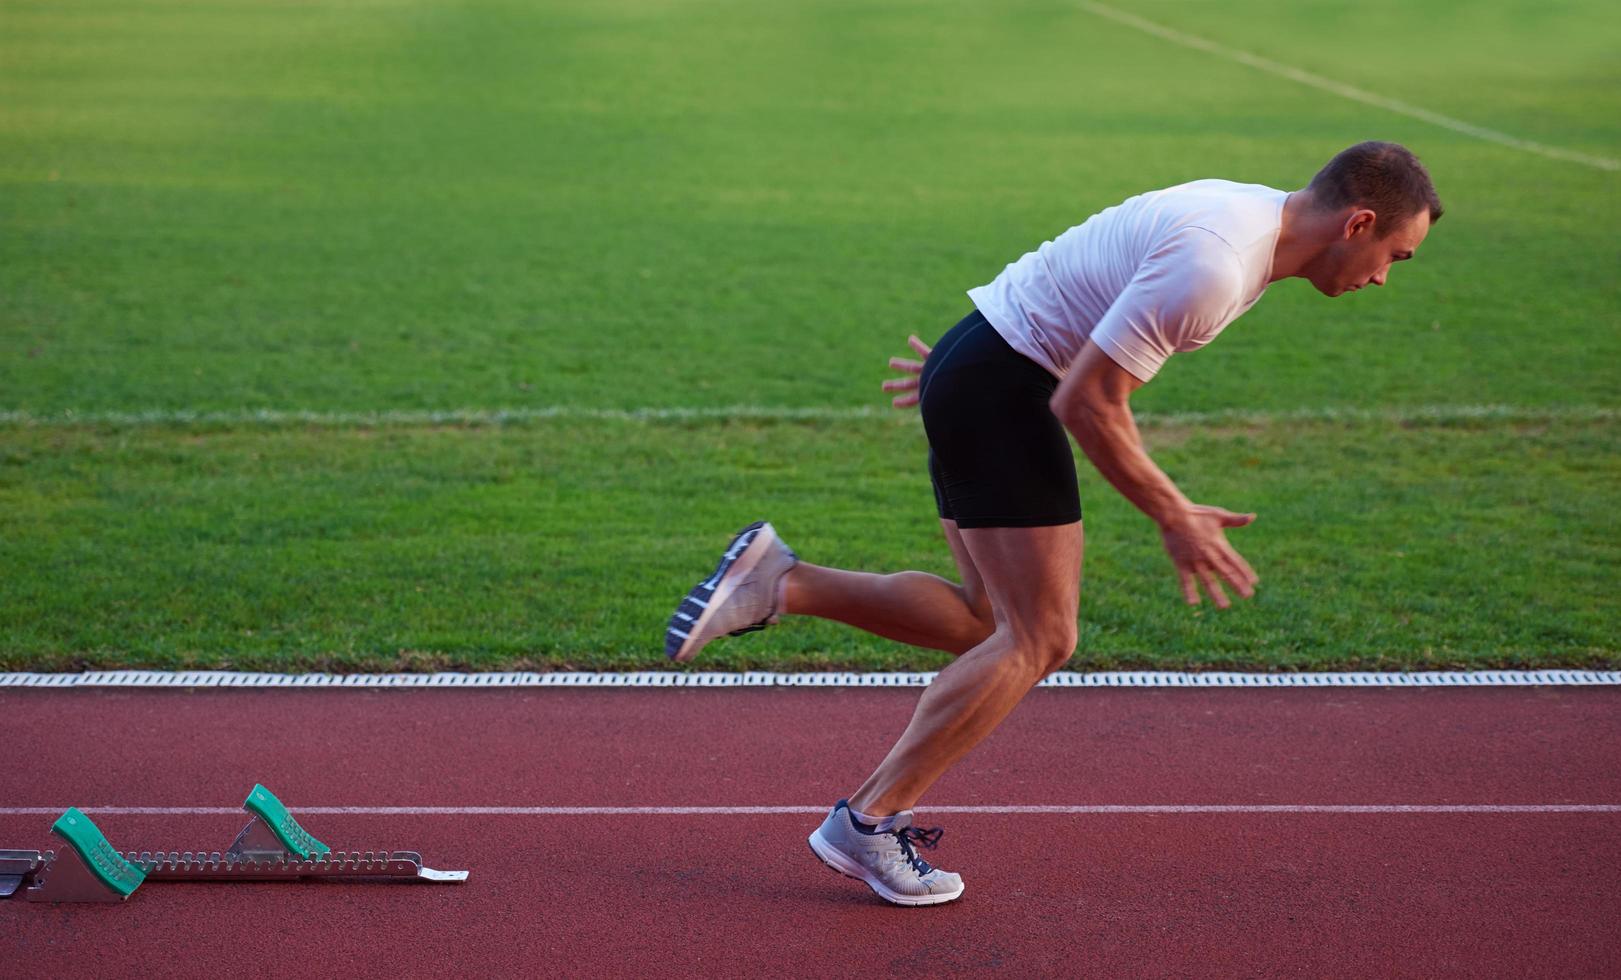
1156, 274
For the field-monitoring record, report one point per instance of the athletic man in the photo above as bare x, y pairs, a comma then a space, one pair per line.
1058, 341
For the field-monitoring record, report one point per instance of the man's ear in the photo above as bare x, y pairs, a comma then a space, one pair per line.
1360, 221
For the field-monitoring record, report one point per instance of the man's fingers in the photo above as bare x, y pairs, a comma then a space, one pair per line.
1240, 566
1190, 592
1249, 573
1230, 519
1217, 595
919, 346
1237, 574
1238, 580
906, 384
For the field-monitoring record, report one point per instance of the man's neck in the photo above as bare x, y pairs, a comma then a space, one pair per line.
1300, 237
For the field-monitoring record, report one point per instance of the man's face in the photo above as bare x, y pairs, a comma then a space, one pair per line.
1361, 258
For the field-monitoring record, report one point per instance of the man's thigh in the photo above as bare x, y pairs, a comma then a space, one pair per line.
1032, 575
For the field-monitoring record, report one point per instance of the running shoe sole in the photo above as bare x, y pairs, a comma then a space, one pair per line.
835, 859
745, 551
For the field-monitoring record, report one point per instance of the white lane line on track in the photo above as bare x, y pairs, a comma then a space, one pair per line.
1346, 91
751, 679
1413, 415
613, 811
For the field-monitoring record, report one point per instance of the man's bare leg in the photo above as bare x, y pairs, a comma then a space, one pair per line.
912, 607
1033, 578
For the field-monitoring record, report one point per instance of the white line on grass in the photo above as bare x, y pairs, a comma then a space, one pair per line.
1347, 91
760, 678
622, 811
450, 416
1413, 415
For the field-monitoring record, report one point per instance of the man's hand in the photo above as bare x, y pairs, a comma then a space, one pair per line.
1198, 547
910, 367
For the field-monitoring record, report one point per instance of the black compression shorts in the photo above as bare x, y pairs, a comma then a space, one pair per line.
998, 456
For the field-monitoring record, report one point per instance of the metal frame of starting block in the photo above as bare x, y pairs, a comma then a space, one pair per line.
272, 847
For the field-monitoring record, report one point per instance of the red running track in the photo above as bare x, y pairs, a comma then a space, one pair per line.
1170, 894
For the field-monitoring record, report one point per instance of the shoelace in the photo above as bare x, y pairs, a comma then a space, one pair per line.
909, 836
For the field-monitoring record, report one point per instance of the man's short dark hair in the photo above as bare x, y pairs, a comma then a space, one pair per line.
1385, 178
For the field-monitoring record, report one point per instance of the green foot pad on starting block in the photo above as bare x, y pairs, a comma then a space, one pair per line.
299, 842
99, 857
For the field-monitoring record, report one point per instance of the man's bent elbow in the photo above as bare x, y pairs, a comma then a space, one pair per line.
1085, 417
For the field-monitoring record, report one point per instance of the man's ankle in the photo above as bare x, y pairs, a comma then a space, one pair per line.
781, 603
872, 823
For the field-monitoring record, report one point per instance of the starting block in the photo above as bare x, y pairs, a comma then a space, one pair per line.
272, 847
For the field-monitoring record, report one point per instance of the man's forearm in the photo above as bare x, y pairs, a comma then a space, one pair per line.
1109, 437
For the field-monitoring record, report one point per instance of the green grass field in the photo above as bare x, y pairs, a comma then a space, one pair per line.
401, 206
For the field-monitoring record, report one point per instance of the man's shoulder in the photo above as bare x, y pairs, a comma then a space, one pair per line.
1201, 251
1203, 269
1225, 200
1219, 186
1215, 216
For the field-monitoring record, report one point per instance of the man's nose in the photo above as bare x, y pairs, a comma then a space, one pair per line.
1379, 277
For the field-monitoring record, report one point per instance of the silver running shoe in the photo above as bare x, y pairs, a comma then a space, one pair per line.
888, 862
739, 598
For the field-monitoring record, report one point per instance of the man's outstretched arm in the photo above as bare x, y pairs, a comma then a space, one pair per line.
1093, 404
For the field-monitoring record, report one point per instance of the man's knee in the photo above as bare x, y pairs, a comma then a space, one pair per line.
1047, 644
1061, 654
1061, 647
